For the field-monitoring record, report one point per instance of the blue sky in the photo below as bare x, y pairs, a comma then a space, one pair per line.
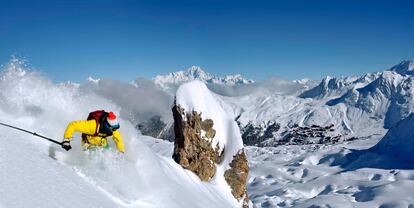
127, 39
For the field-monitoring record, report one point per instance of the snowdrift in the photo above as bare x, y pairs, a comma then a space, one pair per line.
399, 141
35, 173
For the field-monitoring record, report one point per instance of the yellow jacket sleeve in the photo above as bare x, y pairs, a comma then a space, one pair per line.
84, 126
116, 136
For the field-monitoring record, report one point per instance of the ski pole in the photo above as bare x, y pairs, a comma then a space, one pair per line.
33, 133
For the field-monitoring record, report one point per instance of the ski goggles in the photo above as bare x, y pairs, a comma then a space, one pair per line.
115, 127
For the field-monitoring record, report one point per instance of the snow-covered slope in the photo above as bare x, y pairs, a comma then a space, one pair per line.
30, 178
344, 175
399, 141
347, 175
36, 173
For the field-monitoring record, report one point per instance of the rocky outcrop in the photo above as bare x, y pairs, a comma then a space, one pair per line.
193, 143
193, 150
236, 177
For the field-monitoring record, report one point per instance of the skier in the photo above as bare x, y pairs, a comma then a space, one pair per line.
95, 130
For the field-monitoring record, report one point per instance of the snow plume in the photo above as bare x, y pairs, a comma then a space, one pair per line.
27, 98
138, 101
31, 101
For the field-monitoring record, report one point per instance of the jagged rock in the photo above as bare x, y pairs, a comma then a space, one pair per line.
210, 144
192, 149
237, 175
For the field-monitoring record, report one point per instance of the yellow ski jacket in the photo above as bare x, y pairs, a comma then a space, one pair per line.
89, 128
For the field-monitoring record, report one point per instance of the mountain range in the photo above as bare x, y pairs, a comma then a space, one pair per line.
356, 106
171, 81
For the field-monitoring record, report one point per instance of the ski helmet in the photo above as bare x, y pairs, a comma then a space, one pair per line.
112, 120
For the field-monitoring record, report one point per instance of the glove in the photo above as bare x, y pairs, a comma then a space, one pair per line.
66, 144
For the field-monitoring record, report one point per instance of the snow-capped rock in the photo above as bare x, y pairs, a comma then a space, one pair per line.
208, 141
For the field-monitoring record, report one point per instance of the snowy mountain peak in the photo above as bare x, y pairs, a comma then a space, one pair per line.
404, 68
327, 79
328, 87
174, 79
302, 81
197, 72
386, 83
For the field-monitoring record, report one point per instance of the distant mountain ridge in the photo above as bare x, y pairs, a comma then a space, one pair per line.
196, 73
331, 86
